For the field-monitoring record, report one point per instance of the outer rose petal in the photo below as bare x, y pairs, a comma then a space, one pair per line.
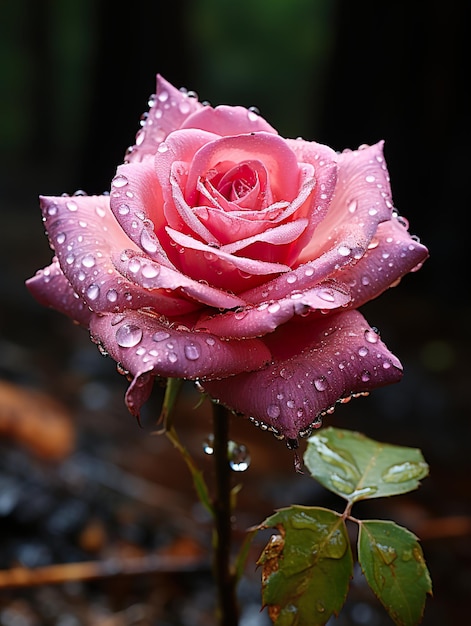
314, 366
266, 317
51, 288
84, 234
228, 120
169, 108
361, 201
145, 346
392, 254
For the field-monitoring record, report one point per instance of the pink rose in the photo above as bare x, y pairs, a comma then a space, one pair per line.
229, 255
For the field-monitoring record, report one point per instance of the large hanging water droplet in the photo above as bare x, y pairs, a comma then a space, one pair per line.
208, 445
128, 335
239, 457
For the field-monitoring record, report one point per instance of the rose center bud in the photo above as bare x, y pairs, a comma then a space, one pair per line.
235, 186
238, 182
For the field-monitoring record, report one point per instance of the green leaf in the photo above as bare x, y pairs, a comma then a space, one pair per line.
306, 569
393, 563
356, 467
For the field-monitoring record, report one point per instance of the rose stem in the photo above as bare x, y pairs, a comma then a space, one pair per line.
225, 577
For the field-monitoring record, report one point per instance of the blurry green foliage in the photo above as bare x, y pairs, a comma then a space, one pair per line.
272, 54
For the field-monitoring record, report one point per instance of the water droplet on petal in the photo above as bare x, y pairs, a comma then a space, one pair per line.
128, 335
60, 238
88, 260
160, 335
192, 352
119, 181
273, 411
320, 383
93, 292
111, 295
371, 336
172, 357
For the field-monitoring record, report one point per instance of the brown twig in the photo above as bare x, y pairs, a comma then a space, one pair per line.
92, 570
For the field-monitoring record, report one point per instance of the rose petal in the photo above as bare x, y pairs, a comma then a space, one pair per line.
228, 120
392, 254
315, 365
52, 289
142, 344
251, 266
85, 235
168, 110
137, 203
273, 151
150, 276
361, 201
266, 317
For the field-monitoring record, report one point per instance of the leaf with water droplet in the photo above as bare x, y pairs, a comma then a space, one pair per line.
357, 468
306, 569
393, 563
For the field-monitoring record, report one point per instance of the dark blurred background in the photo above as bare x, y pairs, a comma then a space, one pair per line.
75, 76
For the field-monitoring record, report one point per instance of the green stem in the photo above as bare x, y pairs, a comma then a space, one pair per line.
223, 572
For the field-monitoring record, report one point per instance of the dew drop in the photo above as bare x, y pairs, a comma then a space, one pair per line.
320, 383
365, 376
208, 445
291, 278
363, 351
172, 357
123, 209
371, 336
326, 294
119, 181
370, 178
88, 260
60, 238
111, 295
71, 205
93, 292
352, 206
150, 271
160, 335
274, 308
239, 457
128, 335
148, 241
402, 472
162, 147
273, 411
192, 352
344, 250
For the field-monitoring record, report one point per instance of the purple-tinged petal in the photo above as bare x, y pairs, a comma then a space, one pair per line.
84, 233
266, 317
314, 366
361, 201
392, 254
52, 289
228, 120
150, 276
168, 109
142, 344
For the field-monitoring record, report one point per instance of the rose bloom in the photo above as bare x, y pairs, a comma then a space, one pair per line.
228, 255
